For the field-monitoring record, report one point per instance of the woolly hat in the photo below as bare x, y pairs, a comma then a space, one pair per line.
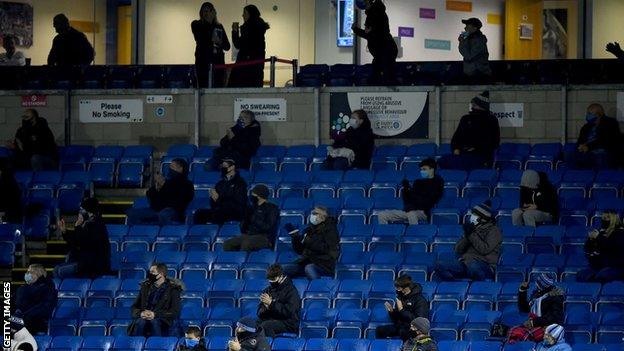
482, 100
91, 205
247, 323
530, 179
483, 210
261, 190
556, 331
17, 323
421, 324
545, 280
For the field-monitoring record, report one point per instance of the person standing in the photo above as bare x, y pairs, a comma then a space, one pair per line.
473, 48
420, 340
280, 304
70, 47
381, 44
249, 40
11, 57
355, 148
410, 304
34, 144
36, 300
538, 200
211, 42
603, 250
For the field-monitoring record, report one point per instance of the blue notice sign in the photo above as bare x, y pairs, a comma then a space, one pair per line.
438, 44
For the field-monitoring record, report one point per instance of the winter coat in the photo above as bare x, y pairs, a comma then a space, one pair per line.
475, 53
205, 50
608, 136
380, 41
250, 41
561, 345
414, 305
424, 194
89, 247
36, 301
232, 197
253, 341
285, 307
550, 306
479, 130
201, 346
604, 251
176, 193
167, 309
22, 340
37, 139
544, 197
482, 242
362, 141
244, 145
262, 220
70, 49
420, 344
10, 197
319, 244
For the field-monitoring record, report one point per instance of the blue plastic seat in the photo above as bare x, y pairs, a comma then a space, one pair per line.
454, 180
482, 295
72, 343
178, 76
417, 238
99, 343
356, 181
131, 343
94, 321
478, 325
65, 321
384, 265
352, 265
485, 345
160, 343
543, 156
449, 294
480, 183
353, 345
350, 323
611, 298
352, 293
321, 344
511, 155
225, 292
288, 344
102, 292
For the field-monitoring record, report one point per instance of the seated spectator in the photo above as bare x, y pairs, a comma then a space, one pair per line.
420, 198
248, 337
34, 144
157, 307
603, 250
69, 47
410, 305
259, 227
538, 200
545, 307
21, 339
420, 340
168, 197
476, 138
319, 246
355, 148
11, 57
477, 251
280, 304
228, 200
89, 249
240, 143
193, 340
599, 144
553, 340
10, 195
36, 300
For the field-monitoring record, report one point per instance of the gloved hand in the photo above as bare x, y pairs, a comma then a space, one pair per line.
405, 183
289, 227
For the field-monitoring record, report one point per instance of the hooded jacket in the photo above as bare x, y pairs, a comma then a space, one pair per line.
414, 305
482, 243
232, 197
424, 194
319, 244
606, 251
479, 130
262, 220
560, 345
286, 305
176, 193
379, 39
71, 49
89, 247
543, 195
550, 302
167, 309
253, 341
36, 301
362, 141
244, 144
38, 139
475, 53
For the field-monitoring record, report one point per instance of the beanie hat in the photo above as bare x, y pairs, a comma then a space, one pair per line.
261, 190
530, 179
545, 280
482, 100
17, 323
483, 210
421, 324
91, 205
247, 323
555, 330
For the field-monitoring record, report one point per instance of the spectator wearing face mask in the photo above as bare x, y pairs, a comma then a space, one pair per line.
280, 304
554, 340
318, 246
193, 340
478, 251
240, 143
168, 197
354, 148
249, 337
603, 250
228, 199
538, 200
410, 304
89, 249
21, 339
420, 340
34, 144
36, 300
418, 199
157, 306
259, 226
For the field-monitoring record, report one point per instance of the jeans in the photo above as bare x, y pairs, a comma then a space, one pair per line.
529, 217
166, 216
412, 217
335, 164
310, 270
65, 270
595, 159
146, 328
454, 270
604, 275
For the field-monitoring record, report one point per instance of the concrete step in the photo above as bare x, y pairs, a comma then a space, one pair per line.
47, 260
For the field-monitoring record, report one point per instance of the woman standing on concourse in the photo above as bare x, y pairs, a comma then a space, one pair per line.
211, 41
249, 40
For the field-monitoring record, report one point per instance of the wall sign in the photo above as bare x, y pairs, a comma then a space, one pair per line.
509, 115
464, 6
266, 110
392, 114
35, 100
406, 32
111, 111
436, 44
159, 99
427, 13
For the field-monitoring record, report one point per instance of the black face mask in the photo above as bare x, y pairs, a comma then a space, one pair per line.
400, 294
152, 277
254, 201
224, 171
27, 123
274, 284
605, 223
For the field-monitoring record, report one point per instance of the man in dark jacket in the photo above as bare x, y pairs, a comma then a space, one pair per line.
34, 144
89, 248
70, 47
410, 304
240, 143
36, 300
538, 200
157, 306
478, 251
476, 138
319, 246
419, 199
259, 226
420, 340
473, 48
168, 197
280, 304
228, 200
193, 340
249, 337
599, 144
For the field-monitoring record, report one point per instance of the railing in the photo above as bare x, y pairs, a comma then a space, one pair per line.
273, 60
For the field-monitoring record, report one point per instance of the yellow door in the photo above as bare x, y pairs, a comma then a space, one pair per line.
523, 29
124, 35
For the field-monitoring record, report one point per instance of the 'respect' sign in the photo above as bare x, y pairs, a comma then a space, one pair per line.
111, 111
509, 115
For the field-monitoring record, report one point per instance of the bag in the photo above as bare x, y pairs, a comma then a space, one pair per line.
499, 330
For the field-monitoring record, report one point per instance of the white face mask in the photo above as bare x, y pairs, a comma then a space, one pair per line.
474, 219
314, 219
353, 123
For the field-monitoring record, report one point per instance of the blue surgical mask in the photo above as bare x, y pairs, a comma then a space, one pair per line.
591, 117
191, 342
240, 122
28, 277
425, 174
314, 219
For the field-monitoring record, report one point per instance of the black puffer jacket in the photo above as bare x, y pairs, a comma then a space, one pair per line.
424, 194
362, 141
253, 341
319, 244
286, 305
477, 130
379, 39
36, 302
232, 197
176, 193
38, 139
243, 145
89, 247
606, 251
414, 305
167, 309
71, 48
551, 306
